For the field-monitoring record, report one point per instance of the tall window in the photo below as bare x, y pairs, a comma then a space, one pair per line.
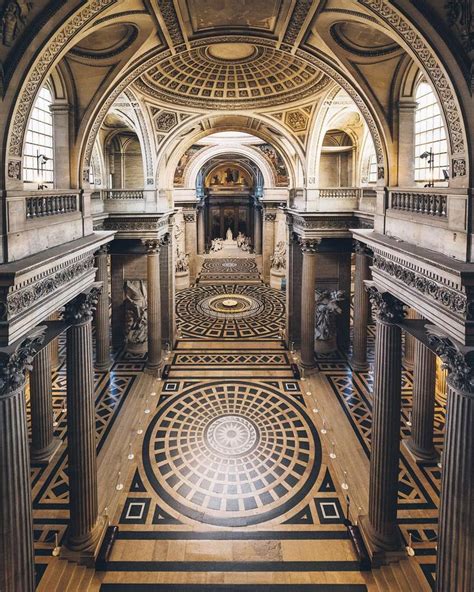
430, 138
372, 172
38, 158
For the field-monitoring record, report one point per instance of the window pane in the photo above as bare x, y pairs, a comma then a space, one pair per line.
39, 140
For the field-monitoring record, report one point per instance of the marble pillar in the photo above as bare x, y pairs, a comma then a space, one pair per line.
257, 241
167, 289
420, 442
101, 315
86, 528
201, 228
293, 291
190, 241
361, 306
308, 286
379, 528
268, 244
154, 306
17, 568
43, 443
454, 565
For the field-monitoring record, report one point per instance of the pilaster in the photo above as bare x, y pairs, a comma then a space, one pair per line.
309, 248
103, 361
153, 306
361, 306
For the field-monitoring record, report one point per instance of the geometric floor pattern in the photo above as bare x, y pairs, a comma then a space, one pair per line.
229, 270
257, 312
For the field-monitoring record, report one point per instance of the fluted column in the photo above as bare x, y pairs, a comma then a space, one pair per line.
16, 520
154, 306
85, 527
420, 442
361, 306
454, 565
409, 349
101, 316
268, 246
308, 285
201, 231
43, 443
258, 230
54, 344
380, 528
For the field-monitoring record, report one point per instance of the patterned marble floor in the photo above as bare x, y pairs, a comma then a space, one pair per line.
240, 270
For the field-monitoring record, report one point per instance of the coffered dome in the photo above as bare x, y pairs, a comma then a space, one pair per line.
232, 75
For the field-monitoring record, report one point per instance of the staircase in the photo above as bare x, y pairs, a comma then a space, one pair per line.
64, 576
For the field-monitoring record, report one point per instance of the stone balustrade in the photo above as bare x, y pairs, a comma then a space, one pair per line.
131, 194
340, 193
423, 203
40, 206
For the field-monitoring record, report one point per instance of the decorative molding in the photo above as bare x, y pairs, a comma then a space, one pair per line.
324, 223
81, 309
460, 364
170, 17
41, 68
21, 299
451, 299
269, 217
16, 362
298, 17
459, 168
387, 308
133, 224
431, 63
14, 169
189, 216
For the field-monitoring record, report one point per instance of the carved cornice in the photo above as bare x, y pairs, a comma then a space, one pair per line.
453, 300
324, 223
81, 309
388, 309
20, 299
458, 362
16, 361
134, 224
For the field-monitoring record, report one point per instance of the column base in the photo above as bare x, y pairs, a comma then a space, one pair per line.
84, 552
419, 455
154, 370
359, 366
381, 552
408, 365
104, 366
44, 457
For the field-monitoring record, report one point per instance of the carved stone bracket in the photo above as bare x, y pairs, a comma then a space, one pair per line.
362, 249
387, 308
16, 360
81, 308
457, 360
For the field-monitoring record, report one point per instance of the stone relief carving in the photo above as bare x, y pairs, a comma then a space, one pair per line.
182, 262
14, 169
459, 364
170, 17
136, 313
459, 167
278, 259
14, 20
81, 308
166, 121
387, 308
327, 309
15, 364
300, 12
460, 15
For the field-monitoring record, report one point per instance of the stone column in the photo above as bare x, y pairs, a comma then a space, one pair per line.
268, 243
190, 240
118, 307
258, 230
43, 443
409, 349
85, 529
54, 344
293, 291
101, 316
420, 442
167, 289
60, 114
308, 286
454, 566
154, 306
201, 227
17, 568
379, 528
361, 306
406, 142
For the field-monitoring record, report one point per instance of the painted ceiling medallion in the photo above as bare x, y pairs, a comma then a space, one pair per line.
232, 75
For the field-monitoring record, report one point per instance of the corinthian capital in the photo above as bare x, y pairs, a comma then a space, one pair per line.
387, 308
81, 308
309, 245
152, 246
16, 360
458, 360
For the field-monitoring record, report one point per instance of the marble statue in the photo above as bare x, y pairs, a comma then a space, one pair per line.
278, 259
216, 245
182, 262
327, 309
229, 236
136, 312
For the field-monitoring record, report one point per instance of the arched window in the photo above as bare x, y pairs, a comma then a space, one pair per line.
431, 146
38, 156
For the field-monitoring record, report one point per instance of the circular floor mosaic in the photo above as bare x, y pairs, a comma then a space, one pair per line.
231, 453
230, 312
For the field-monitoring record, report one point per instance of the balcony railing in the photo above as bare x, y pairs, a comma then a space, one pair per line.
50, 205
426, 204
340, 193
122, 194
